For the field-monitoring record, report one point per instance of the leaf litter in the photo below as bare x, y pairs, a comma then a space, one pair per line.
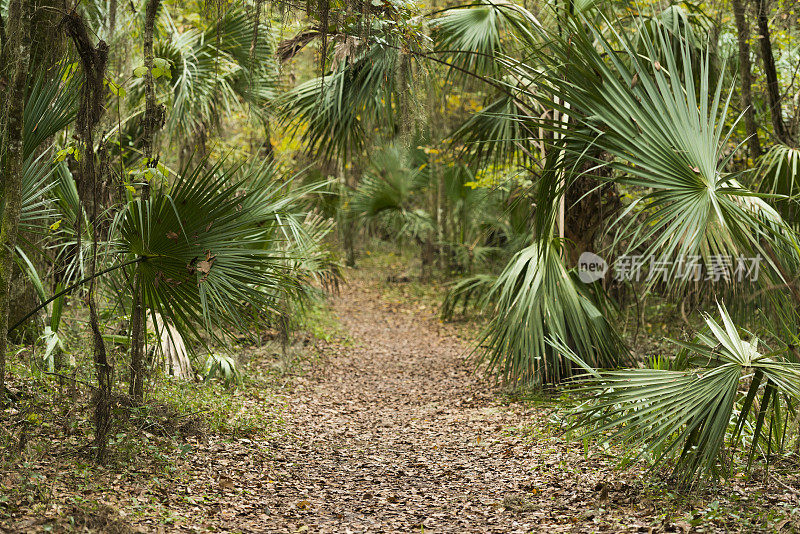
392, 430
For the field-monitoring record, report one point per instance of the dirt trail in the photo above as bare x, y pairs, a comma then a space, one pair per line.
397, 434
392, 432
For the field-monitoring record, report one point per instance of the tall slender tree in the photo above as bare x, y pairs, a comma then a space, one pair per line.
19, 44
746, 95
152, 122
771, 73
89, 181
253, 65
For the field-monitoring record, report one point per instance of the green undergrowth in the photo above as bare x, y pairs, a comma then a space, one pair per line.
47, 466
320, 321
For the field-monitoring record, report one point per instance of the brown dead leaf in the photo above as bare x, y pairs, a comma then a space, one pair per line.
204, 266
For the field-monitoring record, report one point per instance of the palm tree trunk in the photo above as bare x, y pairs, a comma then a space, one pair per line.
266, 146
743, 36
438, 201
47, 49
256, 24
19, 43
348, 228
136, 385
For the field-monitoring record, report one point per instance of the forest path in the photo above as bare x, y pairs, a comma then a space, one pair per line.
396, 433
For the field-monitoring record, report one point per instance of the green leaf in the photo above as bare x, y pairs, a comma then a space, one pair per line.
116, 89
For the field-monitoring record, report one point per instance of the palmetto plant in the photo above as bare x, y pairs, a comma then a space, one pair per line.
211, 71
336, 110
667, 135
211, 249
475, 38
664, 123
663, 126
779, 170
222, 366
536, 297
51, 105
388, 197
688, 414
476, 41
389, 188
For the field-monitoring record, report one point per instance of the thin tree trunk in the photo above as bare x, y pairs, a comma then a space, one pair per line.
266, 146
19, 42
2, 37
743, 36
347, 222
152, 123
771, 74
436, 237
136, 385
349, 242
47, 49
562, 117
152, 120
256, 24
112, 18
48, 45
94, 61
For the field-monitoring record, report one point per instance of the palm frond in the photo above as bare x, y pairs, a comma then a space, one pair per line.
474, 37
49, 107
779, 172
469, 291
668, 136
687, 415
537, 298
388, 184
211, 71
336, 110
211, 251
501, 132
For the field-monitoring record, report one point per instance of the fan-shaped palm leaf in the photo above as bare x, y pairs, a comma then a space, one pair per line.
501, 132
211, 71
335, 110
388, 184
210, 249
687, 415
668, 136
779, 170
537, 298
475, 37
50, 106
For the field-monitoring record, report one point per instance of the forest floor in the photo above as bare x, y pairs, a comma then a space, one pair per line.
391, 429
